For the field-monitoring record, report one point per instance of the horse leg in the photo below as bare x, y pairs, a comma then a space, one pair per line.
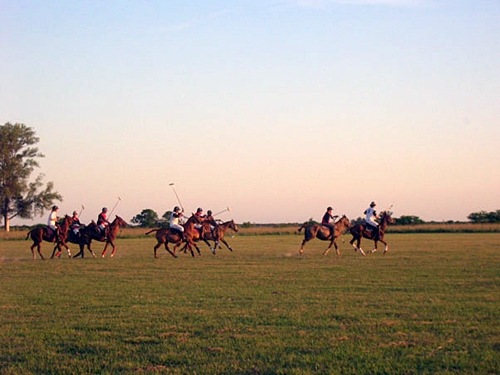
114, 249
157, 246
330, 246
168, 249
374, 246
386, 246
225, 243
359, 248
33, 251
88, 247
336, 247
358, 245
67, 249
197, 248
39, 249
302, 247
80, 253
188, 246
54, 252
104, 250
210, 247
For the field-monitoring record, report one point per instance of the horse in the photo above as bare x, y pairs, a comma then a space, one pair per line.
82, 239
361, 230
91, 232
219, 235
42, 233
324, 233
164, 236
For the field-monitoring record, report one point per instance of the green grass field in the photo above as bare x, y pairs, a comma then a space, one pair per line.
430, 306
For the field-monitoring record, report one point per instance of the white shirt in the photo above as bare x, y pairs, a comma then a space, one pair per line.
51, 222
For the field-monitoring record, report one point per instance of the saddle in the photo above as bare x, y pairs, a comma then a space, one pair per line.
176, 232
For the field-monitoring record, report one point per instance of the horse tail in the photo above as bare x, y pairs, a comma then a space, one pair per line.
302, 227
153, 230
28, 235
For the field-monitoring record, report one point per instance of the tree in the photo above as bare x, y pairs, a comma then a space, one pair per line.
146, 219
18, 196
485, 217
409, 220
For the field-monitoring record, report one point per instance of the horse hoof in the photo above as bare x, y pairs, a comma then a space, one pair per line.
373, 251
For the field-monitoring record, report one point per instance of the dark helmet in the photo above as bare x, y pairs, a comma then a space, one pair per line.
104, 209
176, 208
199, 209
209, 212
54, 208
75, 213
373, 204
329, 209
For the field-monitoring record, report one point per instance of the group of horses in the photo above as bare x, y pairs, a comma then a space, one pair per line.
191, 235
358, 231
65, 235
197, 229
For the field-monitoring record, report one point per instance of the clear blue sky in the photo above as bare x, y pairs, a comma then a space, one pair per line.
277, 109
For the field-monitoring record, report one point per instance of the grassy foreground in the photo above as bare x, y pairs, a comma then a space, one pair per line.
430, 306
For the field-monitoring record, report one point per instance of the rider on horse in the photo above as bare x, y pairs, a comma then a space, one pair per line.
75, 225
175, 224
329, 219
102, 222
371, 215
209, 219
52, 223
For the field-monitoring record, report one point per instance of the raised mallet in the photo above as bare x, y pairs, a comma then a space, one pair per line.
116, 204
224, 210
178, 199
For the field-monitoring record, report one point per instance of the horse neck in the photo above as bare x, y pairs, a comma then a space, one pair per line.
384, 222
65, 224
225, 225
190, 222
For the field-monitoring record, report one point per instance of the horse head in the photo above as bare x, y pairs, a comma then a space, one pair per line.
345, 221
385, 216
232, 225
120, 222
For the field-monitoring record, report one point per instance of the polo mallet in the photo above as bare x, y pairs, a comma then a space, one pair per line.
226, 209
116, 204
178, 200
83, 208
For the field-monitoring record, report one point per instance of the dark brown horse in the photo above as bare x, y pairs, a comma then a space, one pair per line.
82, 239
205, 234
218, 236
361, 230
324, 233
91, 232
164, 236
43, 233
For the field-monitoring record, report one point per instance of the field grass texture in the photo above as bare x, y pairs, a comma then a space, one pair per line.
431, 305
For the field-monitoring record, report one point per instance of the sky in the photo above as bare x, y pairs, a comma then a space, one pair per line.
273, 108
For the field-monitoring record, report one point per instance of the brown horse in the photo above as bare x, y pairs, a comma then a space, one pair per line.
42, 233
324, 233
218, 236
164, 236
361, 230
91, 232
